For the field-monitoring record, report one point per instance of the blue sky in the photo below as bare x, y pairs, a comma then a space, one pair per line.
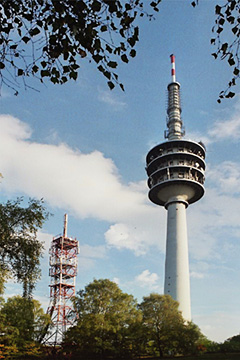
82, 148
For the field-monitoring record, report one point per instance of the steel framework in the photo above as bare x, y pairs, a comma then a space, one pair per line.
63, 270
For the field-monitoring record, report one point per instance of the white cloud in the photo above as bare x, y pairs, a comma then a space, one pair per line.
199, 269
197, 136
218, 326
111, 99
226, 128
122, 236
95, 252
196, 275
148, 280
223, 129
87, 184
46, 238
116, 280
227, 177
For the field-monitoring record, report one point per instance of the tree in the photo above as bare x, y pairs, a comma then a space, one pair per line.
227, 48
231, 345
165, 329
26, 317
161, 320
49, 39
107, 317
22, 322
20, 250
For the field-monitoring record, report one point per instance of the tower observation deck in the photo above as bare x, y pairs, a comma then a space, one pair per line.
176, 177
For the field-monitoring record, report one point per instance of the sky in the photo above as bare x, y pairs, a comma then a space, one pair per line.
82, 148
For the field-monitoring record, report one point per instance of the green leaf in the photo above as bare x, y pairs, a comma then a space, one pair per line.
230, 19
107, 74
132, 40
218, 9
112, 64
73, 75
224, 47
66, 69
64, 79
35, 68
25, 39
75, 66
111, 85
232, 4
96, 6
45, 73
54, 80
13, 47
97, 58
231, 61
132, 53
221, 21
65, 55
108, 48
103, 28
34, 31
44, 64
236, 71
235, 29
230, 95
101, 68
97, 44
20, 72
124, 58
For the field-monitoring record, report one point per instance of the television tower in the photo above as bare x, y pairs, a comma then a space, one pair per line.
176, 177
63, 270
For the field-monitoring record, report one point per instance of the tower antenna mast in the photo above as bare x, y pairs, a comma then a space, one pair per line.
63, 271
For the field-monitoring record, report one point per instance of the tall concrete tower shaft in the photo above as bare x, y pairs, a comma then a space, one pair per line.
176, 176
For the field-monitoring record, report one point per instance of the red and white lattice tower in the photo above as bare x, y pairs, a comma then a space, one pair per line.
63, 270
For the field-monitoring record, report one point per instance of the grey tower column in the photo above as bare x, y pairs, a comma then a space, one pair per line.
177, 282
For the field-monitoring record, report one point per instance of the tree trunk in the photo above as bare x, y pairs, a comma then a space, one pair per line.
159, 348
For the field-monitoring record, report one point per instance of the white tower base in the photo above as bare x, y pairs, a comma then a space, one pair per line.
177, 283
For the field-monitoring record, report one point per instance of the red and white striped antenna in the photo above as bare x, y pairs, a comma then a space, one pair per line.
173, 71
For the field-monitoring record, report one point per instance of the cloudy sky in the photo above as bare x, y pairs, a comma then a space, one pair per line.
82, 148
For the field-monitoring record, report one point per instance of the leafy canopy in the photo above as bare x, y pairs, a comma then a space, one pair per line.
20, 250
166, 332
107, 317
226, 40
26, 317
48, 39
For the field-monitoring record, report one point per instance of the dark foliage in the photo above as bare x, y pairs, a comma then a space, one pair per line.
20, 250
47, 39
226, 39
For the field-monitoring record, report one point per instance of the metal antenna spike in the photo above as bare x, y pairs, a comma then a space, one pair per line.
173, 71
65, 225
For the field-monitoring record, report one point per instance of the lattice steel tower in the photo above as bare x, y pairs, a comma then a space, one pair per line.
176, 177
63, 270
